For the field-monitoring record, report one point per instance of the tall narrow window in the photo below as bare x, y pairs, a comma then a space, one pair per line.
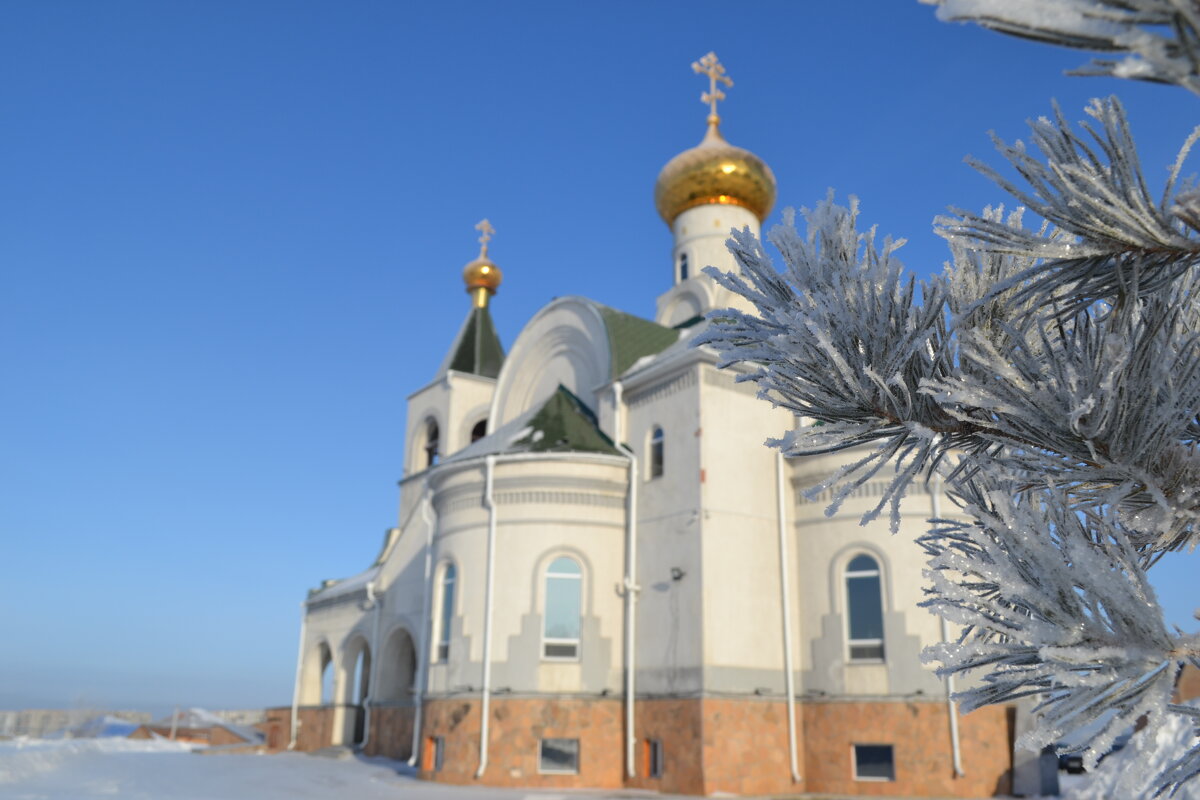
449, 576
431, 443
479, 431
560, 630
656, 452
864, 609
683, 267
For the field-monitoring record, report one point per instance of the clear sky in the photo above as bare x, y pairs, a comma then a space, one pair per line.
231, 240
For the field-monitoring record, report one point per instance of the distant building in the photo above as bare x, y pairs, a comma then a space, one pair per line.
40, 723
602, 578
200, 727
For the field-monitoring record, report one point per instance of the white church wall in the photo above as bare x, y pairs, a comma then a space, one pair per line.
668, 629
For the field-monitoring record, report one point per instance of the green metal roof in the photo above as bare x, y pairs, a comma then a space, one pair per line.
631, 338
564, 423
477, 349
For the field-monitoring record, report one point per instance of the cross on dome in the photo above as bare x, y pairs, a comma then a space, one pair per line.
486, 230
715, 70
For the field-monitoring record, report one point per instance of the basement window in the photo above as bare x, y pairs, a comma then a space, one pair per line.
559, 757
653, 758
874, 762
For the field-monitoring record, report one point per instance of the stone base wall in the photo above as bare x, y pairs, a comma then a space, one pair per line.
391, 731
516, 727
919, 733
709, 745
314, 732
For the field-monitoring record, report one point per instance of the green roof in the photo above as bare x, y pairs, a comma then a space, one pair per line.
477, 349
564, 423
631, 338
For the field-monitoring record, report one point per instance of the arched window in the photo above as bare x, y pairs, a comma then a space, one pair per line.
446, 612
654, 464
431, 443
683, 267
561, 621
864, 609
479, 431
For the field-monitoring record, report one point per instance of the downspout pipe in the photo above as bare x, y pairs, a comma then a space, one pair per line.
295, 720
630, 586
489, 601
419, 686
785, 600
377, 602
935, 508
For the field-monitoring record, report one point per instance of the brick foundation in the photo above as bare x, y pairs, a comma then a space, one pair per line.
709, 745
919, 732
391, 731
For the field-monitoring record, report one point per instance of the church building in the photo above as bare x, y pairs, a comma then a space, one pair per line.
601, 578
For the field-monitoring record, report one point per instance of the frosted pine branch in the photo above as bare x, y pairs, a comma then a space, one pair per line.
1158, 37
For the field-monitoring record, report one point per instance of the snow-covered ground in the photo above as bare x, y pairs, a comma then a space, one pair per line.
82, 769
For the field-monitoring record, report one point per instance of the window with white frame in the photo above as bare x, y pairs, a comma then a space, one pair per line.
558, 756
874, 762
864, 609
445, 611
654, 462
561, 620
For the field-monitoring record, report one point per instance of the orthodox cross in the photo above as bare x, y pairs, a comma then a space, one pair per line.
486, 230
710, 66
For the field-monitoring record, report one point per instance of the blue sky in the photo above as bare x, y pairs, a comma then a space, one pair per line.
231, 237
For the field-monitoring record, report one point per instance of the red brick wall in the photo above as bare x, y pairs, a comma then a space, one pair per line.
391, 732
920, 735
315, 730
517, 725
738, 733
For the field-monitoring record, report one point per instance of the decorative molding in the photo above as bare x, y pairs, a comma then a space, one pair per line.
875, 488
724, 380
357, 596
531, 496
662, 389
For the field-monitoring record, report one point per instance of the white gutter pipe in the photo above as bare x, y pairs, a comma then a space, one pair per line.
426, 624
786, 601
935, 508
490, 505
295, 721
370, 677
630, 587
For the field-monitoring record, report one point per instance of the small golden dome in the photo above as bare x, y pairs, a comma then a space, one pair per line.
714, 171
482, 273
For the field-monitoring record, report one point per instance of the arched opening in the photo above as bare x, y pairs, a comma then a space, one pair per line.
864, 609
355, 689
445, 613
431, 443
479, 431
564, 607
654, 461
398, 669
326, 673
683, 266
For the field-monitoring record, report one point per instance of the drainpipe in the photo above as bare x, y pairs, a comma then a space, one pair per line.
935, 508
630, 587
426, 623
374, 598
295, 721
786, 601
490, 505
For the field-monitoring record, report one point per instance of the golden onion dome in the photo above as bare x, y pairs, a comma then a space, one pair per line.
482, 276
714, 171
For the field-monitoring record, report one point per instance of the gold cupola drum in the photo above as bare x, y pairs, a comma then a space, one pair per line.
714, 171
